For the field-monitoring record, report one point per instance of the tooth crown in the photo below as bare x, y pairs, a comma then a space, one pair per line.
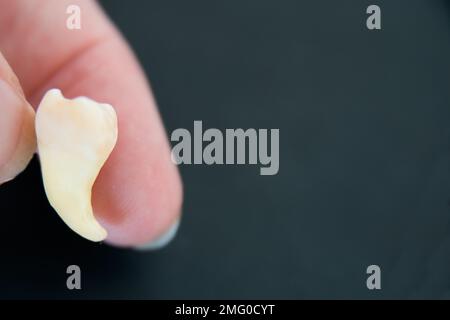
75, 138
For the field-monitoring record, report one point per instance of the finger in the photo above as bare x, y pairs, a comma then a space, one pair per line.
137, 196
17, 139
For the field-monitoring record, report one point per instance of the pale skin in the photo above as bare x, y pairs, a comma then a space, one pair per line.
138, 194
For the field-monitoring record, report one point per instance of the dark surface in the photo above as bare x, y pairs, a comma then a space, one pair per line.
364, 177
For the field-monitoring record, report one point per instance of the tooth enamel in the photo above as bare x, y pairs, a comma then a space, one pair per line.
74, 137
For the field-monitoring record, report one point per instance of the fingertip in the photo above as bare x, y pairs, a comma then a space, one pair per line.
144, 207
17, 135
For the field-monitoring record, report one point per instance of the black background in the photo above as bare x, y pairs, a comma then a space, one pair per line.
364, 157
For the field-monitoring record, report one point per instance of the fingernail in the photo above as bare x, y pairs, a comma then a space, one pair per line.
162, 240
17, 136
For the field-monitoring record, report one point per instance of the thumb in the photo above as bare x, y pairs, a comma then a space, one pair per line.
17, 136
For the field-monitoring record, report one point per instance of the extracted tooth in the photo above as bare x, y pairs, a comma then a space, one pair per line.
74, 137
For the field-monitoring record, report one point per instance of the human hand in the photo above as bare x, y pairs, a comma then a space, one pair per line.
137, 196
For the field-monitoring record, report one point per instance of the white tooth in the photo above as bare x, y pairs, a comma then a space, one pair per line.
75, 137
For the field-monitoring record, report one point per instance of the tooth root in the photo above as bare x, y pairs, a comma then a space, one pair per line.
75, 137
